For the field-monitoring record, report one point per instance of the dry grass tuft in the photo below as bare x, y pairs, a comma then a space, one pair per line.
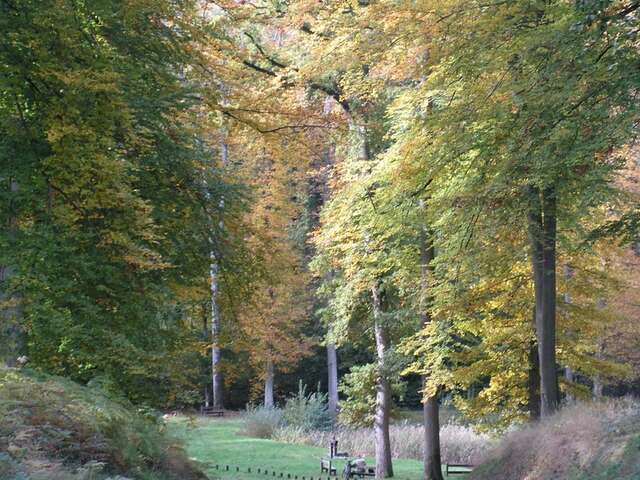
595, 441
55, 429
460, 444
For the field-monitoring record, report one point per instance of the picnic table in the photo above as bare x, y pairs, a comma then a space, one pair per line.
327, 464
211, 411
458, 469
358, 468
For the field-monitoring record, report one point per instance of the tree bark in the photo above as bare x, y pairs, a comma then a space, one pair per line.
217, 382
205, 337
384, 467
534, 379
268, 385
216, 353
430, 408
542, 232
598, 386
432, 457
570, 378
568, 371
332, 367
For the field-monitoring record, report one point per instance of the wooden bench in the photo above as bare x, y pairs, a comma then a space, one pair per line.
211, 412
458, 469
326, 465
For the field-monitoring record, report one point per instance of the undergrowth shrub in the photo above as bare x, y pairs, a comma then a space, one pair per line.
307, 411
596, 441
261, 422
54, 428
303, 411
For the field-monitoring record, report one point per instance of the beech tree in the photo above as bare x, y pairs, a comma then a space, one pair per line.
514, 128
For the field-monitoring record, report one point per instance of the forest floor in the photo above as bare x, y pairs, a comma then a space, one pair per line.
215, 441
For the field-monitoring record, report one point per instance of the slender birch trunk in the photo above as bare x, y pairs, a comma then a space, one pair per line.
205, 336
268, 384
384, 467
216, 352
217, 382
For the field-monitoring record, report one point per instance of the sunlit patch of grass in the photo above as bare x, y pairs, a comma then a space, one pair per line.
219, 441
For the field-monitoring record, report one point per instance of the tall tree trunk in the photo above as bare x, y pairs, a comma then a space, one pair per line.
534, 378
430, 408
550, 397
217, 382
216, 352
207, 395
542, 231
332, 370
570, 378
384, 467
432, 457
568, 371
205, 337
598, 386
268, 384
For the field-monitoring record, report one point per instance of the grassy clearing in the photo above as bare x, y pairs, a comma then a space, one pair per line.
212, 441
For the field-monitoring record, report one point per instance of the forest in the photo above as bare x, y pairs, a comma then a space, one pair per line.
377, 221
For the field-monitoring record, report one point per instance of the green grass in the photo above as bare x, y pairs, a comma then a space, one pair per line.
218, 441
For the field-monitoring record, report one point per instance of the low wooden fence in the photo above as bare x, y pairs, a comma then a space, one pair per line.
267, 472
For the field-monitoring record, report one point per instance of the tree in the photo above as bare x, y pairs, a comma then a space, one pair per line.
98, 119
514, 130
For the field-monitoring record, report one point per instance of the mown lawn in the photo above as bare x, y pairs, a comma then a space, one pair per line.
218, 441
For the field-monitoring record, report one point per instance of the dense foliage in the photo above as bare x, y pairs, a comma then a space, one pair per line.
201, 194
